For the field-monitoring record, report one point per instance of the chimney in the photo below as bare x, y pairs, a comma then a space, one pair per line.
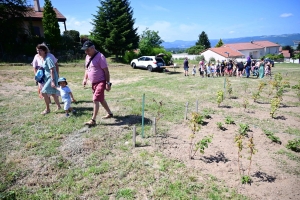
37, 7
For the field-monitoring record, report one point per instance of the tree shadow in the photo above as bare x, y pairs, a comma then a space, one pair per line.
223, 128
219, 157
250, 112
280, 117
225, 106
129, 120
286, 106
204, 123
261, 102
264, 177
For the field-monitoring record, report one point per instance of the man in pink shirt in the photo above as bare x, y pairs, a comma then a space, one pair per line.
96, 70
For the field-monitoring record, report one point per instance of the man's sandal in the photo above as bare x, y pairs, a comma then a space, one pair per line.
92, 122
45, 112
108, 116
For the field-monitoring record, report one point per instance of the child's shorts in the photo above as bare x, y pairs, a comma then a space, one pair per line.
67, 104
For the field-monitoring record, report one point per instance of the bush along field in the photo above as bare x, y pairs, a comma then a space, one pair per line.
171, 137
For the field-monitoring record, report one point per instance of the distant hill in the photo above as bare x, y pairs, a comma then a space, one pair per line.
283, 40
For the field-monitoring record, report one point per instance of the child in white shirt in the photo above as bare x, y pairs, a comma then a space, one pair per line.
66, 95
194, 70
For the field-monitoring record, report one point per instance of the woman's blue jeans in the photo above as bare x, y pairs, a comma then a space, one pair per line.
248, 71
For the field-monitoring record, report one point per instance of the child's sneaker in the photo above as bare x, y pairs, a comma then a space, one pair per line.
74, 111
67, 115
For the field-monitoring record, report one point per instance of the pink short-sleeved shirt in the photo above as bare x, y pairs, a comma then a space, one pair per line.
38, 60
95, 70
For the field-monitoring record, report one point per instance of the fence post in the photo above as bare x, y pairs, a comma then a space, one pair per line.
186, 110
133, 136
143, 109
224, 88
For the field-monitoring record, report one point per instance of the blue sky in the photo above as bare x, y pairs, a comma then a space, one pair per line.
185, 20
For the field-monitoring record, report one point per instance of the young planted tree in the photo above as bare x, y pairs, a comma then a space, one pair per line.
220, 97
228, 86
195, 124
239, 140
114, 27
50, 25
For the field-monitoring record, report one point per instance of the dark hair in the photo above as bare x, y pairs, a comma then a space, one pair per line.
42, 47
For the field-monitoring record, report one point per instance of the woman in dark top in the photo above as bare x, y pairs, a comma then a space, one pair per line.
248, 66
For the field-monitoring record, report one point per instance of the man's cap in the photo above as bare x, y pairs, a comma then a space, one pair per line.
62, 79
86, 45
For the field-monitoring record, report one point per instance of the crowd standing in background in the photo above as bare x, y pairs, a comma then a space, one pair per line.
231, 68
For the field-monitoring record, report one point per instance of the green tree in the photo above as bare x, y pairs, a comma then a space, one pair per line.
220, 43
298, 47
291, 50
71, 40
12, 13
50, 25
297, 56
194, 50
149, 40
113, 27
203, 40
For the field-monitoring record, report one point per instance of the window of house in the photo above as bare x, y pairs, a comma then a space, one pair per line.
36, 31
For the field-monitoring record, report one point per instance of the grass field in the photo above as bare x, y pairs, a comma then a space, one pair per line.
54, 157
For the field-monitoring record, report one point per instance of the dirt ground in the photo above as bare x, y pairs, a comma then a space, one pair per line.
272, 178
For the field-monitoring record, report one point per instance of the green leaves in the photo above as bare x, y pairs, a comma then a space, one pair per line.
202, 144
220, 97
294, 145
244, 128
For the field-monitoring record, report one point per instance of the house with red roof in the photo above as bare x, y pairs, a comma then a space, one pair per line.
35, 17
240, 51
286, 54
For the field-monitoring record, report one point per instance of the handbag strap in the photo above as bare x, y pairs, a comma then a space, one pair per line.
91, 59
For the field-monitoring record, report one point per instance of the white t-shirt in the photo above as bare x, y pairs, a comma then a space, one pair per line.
65, 93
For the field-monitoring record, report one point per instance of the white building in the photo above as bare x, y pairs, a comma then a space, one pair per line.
240, 51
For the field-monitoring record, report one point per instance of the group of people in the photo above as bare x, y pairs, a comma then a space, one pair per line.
230, 68
96, 71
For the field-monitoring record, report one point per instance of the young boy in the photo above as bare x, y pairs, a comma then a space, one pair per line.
194, 70
66, 95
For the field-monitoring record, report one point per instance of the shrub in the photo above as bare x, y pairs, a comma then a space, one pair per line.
129, 56
294, 145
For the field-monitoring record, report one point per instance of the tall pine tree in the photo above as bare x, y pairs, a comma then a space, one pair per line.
113, 27
50, 25
203, 40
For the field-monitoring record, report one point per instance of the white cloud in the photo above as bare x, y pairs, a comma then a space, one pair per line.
170, 32
231, 32
286, 15
154, 7
159, 8
82, 26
